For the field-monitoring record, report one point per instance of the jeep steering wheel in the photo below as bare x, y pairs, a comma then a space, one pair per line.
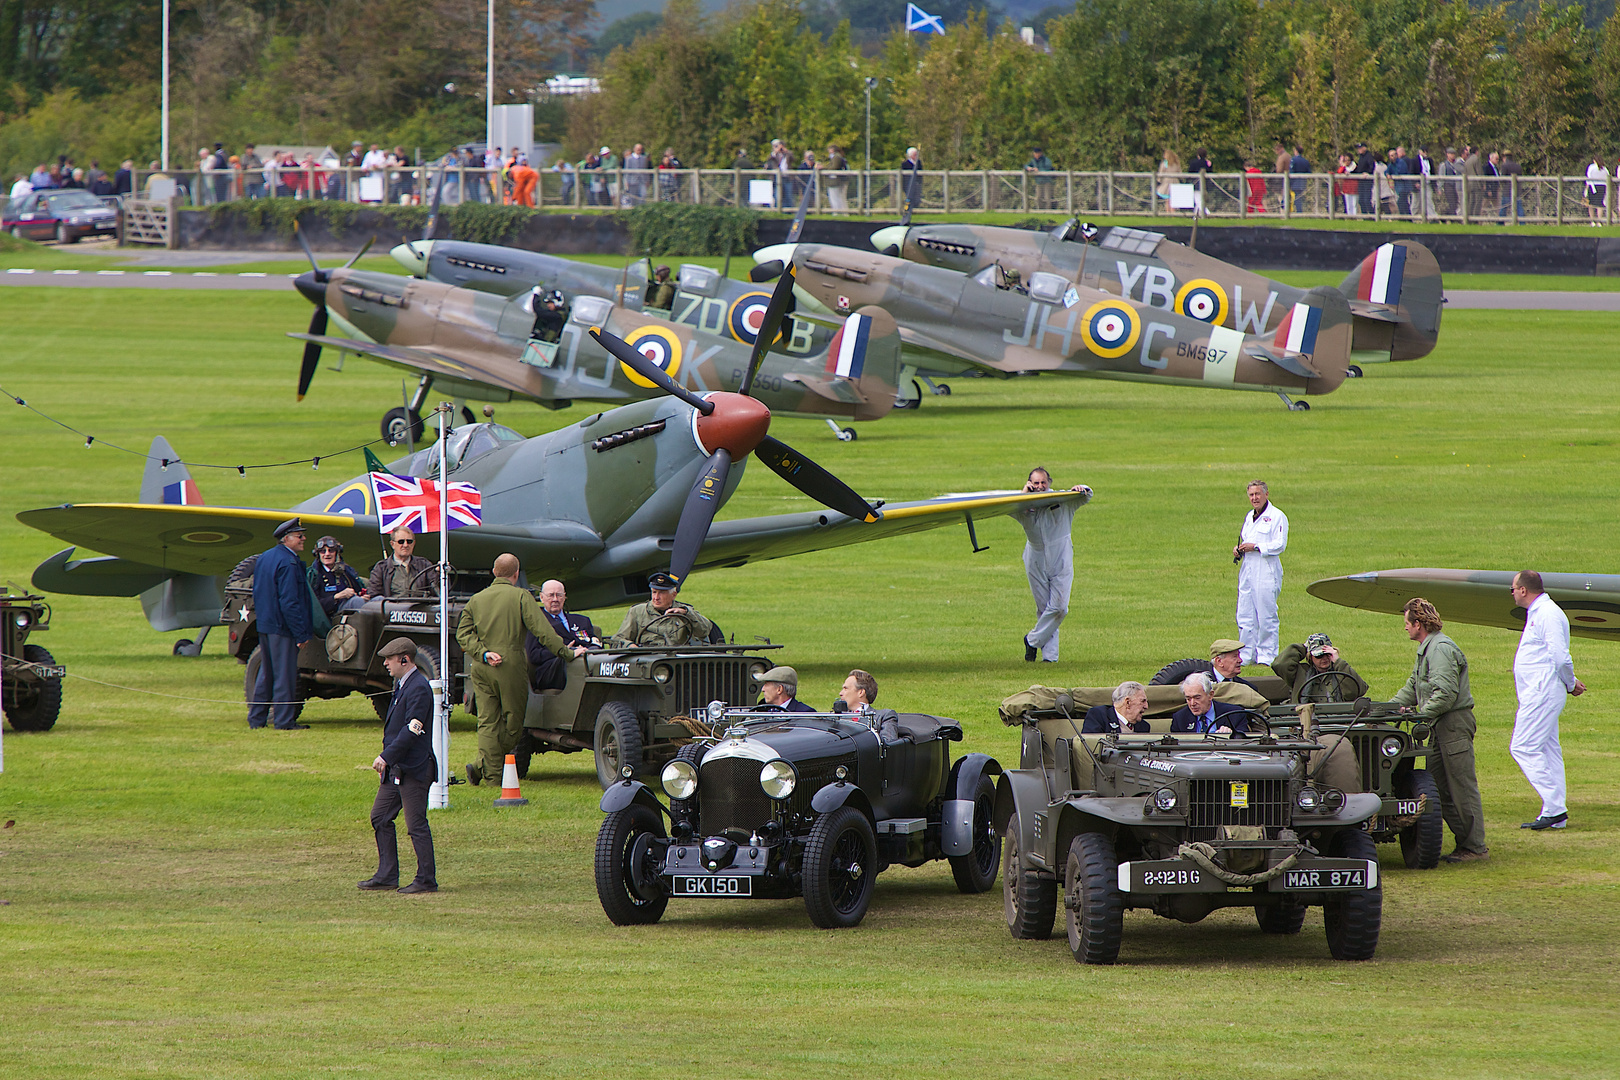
1342, 686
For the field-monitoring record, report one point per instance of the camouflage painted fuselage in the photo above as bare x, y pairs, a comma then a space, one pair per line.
1078, 331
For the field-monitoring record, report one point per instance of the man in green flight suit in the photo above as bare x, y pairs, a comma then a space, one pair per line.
1438, 692
1297, 665
660, 621
491, 634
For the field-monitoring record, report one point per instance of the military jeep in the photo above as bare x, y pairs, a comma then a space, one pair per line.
32, 678
345, 661
1390, 749
634, 706
1181, 825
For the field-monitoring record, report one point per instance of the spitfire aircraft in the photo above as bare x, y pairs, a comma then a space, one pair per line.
478, 345
1395, 294
1481, 597
597, 504
959, 322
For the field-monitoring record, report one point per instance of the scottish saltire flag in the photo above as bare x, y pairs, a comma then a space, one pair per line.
1297, 332
918, 19
412, 503
846, 356
1381, 275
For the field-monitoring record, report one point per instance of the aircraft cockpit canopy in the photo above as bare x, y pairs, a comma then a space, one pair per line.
698, 280
1131, 241
466, 443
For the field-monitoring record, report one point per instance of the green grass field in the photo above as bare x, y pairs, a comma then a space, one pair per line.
177, 893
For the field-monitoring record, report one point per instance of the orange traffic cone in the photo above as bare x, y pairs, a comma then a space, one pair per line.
511, 794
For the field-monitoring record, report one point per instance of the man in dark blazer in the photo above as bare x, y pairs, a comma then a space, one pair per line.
547, 670
777, 688
407, 768
1123, 716
1203, 714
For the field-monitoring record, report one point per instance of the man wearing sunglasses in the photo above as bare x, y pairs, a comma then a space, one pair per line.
402, 572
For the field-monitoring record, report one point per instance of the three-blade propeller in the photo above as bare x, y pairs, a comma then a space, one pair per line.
313, 286
731, 426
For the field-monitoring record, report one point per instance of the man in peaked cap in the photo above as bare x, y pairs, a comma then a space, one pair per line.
1298, 664
660, 621
282, 610
778, 688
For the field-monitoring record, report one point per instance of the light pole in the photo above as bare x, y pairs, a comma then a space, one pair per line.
866, 181
165, 154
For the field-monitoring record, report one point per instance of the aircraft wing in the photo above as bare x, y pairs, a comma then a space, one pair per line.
1366, 309
732, 543
831, 387
452, 364
171, 538
1481, 597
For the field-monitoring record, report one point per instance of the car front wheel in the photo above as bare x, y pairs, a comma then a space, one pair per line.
626, 882
1422, 840
34, 706
840, 868
1096, 912
1353, 920
618, 743
975, 872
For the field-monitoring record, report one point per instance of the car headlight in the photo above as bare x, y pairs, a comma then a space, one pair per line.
756, 670
1332, 801
22, 619
662, 673
778, 778
1164, 799
1391, 746
680, 779
1308, 800
717, 712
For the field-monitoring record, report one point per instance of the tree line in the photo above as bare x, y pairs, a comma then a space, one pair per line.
1109, 84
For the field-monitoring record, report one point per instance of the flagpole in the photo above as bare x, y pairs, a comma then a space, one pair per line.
439, 793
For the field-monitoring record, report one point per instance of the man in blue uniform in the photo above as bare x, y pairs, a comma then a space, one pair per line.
407, 769
281, 605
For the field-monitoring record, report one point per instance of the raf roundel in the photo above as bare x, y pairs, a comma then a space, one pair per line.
1110, 328
1204, 300
747, 315
658, 344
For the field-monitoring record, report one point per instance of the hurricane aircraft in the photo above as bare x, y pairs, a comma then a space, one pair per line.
480, 345
597, 504
1395, 293
1481, 597
957, 322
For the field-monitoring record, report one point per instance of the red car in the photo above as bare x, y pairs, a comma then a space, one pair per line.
64, 215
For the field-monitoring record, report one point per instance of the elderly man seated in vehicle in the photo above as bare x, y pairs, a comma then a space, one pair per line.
777, 688
1226, 660
1203, 714
1124, 716
1298, 665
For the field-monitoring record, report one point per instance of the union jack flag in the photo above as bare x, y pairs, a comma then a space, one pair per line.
413, 503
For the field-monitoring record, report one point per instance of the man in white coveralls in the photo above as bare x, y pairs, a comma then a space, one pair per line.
1261, 543
1049, 562
1543, 674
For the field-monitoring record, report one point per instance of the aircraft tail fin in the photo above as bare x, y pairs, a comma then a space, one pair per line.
167, 480
1314, 340
866, 350
1396, 294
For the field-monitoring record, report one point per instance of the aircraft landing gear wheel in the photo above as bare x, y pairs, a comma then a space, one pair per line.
847, 435
181, 646
1353, 371
912, 402
394, 428
467, 416
945, 389
1300, 406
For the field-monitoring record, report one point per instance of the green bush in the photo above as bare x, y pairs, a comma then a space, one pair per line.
485, 223
681, 229
280, 214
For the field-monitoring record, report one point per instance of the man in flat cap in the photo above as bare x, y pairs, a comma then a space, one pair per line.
1226, 660
282, 609
407, 769
777, 688
660, 621
1297, 665
490, 633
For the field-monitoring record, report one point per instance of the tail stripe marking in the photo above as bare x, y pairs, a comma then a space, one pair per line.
848, 350
1381, 275
1297, 332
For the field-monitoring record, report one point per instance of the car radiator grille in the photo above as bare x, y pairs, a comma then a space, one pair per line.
698, 682
729, 796
1211, 803
1368, 758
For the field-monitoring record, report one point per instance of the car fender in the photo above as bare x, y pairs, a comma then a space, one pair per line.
1093, 815
1359, 807
838, 794
626, 792
956, 832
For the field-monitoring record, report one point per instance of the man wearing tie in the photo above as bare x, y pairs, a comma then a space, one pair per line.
1204, 715
547, 670
407, 769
